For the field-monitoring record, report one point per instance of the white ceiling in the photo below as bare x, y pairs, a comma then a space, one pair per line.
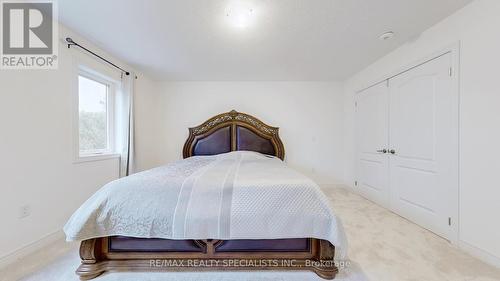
290, 40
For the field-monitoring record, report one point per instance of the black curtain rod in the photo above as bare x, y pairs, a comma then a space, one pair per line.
73, 43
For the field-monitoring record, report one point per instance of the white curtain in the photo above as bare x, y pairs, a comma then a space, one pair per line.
125, 124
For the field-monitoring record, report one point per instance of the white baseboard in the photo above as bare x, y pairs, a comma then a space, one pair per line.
31, 248
479, 253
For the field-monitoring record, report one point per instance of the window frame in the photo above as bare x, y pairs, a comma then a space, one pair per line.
112, 86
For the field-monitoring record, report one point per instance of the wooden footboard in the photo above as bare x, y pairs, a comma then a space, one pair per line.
99, 255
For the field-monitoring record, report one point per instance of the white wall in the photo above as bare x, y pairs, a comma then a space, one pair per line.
147, 123
309, 115
36, 148
476, 27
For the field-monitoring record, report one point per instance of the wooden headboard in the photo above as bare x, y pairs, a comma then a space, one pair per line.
232, 131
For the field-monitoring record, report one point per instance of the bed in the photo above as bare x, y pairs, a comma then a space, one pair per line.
231, 204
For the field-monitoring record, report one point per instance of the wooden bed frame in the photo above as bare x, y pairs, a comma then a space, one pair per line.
223, 133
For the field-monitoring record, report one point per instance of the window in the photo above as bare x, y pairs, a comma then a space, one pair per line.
95, 115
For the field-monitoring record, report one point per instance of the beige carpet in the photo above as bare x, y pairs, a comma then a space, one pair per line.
390, 248
385, 246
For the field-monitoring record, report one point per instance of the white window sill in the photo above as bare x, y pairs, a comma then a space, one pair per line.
95, 157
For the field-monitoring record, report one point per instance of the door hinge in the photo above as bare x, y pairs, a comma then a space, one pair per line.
451, 71
355, 183
355, 103
449, 221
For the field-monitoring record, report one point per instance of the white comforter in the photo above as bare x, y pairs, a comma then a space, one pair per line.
237, 195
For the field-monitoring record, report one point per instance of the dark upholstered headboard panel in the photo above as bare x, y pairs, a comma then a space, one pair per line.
233, 131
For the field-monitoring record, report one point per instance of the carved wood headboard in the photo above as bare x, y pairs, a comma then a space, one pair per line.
232, 131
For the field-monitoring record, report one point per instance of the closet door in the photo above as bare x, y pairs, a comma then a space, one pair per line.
372, 143
423, 144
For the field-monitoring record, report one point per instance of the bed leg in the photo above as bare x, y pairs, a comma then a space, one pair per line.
87, 276
325, 274
90, 267
325, 267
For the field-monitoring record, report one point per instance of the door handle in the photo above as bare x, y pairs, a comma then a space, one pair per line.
392, 151
382, 150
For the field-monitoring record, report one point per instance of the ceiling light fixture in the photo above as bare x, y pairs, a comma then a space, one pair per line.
240, 15
386, 36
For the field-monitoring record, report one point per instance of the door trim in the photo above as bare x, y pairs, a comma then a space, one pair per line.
454, 50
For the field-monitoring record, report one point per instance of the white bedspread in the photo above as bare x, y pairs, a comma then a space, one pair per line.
237, 195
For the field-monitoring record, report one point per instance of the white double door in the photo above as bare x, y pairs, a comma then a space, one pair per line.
407, 144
